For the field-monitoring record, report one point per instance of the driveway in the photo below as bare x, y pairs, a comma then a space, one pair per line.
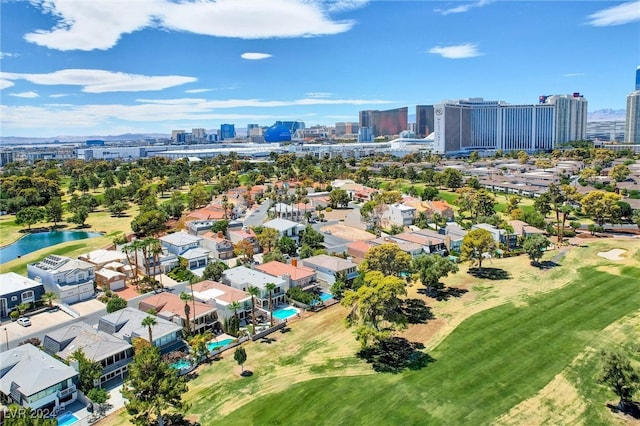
15, 333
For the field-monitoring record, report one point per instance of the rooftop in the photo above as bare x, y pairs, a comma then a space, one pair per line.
180, 239
169, 302
95, 344
57, 263
280, 225
127, 323
12, 282
331, 263
250, 277
278, 269
223, 294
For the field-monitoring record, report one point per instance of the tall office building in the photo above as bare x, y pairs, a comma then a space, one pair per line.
177, 136
424, 120
638, 78
632, 124
475, 124
346, 128
227, 131
385, 123
570, 116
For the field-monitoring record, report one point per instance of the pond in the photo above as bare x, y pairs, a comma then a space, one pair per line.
40, 240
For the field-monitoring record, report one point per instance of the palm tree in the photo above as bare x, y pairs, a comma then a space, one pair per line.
253, 291
270, 287
155, 249
49, 297
234, 306
185, 297
149, 322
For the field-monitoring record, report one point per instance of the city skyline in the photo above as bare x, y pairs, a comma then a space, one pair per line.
71, 70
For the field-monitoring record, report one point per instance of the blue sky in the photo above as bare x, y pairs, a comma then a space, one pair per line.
87, 67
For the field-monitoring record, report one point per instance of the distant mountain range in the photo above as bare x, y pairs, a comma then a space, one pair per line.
607, 114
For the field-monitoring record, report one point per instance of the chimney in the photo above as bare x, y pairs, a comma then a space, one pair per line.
447, 242
294, 263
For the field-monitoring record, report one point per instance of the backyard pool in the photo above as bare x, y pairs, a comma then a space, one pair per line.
215, 345
183, 364
323, 298
66, 419
285, 313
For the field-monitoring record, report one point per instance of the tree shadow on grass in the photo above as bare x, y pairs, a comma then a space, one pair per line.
493, 274
395, 355
177, 419
416, 311
631, 409
445, 293
546, 265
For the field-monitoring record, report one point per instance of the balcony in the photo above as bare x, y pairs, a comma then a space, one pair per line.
64, 393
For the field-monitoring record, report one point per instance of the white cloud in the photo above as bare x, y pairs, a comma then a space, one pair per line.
30, 94
5, 83
318, 94
624, 13
7, 55
573, 74
89, 25
463, 7
253, 56
205, 104
198, 90
101, 81
459, 51
345, 5
58, 95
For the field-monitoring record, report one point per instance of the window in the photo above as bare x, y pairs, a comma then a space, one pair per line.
27, 296
14, 298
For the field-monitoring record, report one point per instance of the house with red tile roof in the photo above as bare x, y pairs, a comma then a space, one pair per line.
169, 306
297, 276
220, 247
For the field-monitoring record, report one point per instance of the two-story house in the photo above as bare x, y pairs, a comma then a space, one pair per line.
126, 324
32, 378
112, 353
398, 214
432, 243
500, 236
169, 306
186, 246
455, 234
71, 279
296, 276
242, 278
101, 257
220, 247
328, 268
286, 228
16, 289
221, 297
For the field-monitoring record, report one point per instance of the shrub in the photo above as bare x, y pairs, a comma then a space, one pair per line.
301, 296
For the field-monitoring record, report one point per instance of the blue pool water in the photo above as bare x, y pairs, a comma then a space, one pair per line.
67, 419
325, 296
39, 240
180, 365
284, 313
213, 346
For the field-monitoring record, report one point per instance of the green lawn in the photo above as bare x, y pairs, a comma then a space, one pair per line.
490, 363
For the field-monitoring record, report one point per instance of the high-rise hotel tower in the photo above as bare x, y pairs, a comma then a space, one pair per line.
632, 124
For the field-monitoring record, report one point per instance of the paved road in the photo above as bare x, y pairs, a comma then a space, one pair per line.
258, 216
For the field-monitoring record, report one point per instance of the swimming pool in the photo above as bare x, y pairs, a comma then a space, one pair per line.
66, 419
183, 364
323, 298
285, 313
214, 346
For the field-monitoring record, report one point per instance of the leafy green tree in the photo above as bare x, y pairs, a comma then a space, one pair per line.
475, 244
53, 211
220, 226
484, 203
535, 245
306, 251
268, 238
274, 255
542, 204
198, 344
388, 259
116, 303
620, 376
240, 356
376, 307
601, 206
244, 250
431, 268
619, 172
149, 223
452, 178
312, 238
338, 198
198, 196
80, 216
152, 387
214, 270
287, 246
98, 396
89, 371
118, 207
30, 216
